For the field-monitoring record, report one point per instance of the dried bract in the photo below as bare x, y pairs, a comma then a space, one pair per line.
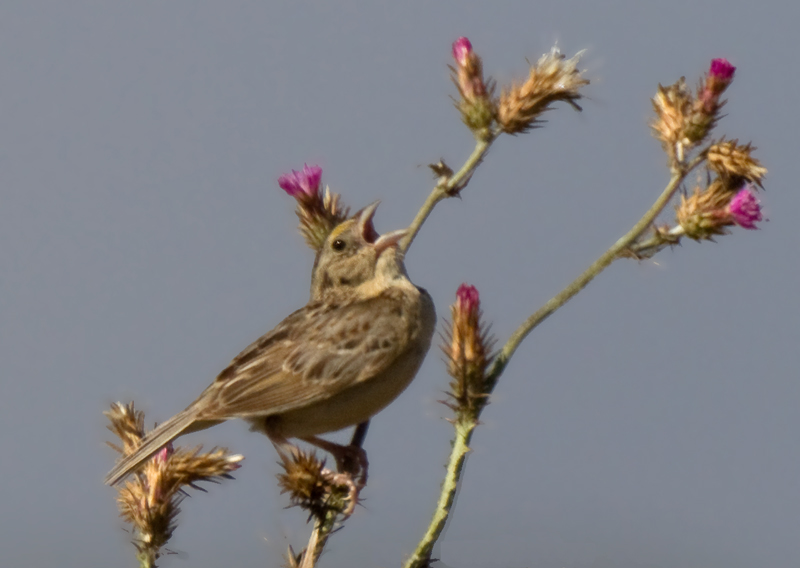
734, 164
673, 106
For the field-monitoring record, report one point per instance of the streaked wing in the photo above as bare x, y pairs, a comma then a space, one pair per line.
314, 353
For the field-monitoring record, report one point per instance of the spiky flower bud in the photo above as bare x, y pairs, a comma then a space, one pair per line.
709, 212
467, 349
319, 212
554, 78
476, 105
707, 106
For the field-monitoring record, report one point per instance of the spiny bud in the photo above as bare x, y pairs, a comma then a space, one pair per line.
476, 104
318, 212
709, 212
467, 349
707, 106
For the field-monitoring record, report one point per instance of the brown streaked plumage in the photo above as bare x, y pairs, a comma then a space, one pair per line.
334, 363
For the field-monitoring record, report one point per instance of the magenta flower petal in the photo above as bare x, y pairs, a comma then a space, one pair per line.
467, 299
721, 69
305, 182
461, 50
745, 209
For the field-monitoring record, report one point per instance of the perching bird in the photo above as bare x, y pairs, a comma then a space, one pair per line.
335, 363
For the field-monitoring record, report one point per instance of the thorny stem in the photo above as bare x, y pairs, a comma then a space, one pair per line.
679, 173
648, 248
318, 539
146, 559
448, 187
455, 465
464, 426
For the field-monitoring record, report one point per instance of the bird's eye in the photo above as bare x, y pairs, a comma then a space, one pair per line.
338, 244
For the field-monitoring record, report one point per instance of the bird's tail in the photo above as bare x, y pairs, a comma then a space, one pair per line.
157, 439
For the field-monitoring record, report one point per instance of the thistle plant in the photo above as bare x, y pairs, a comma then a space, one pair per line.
150, 500
724, 196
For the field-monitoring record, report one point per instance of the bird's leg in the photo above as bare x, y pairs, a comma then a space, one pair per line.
351, 460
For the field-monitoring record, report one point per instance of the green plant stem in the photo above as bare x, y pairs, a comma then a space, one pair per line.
463, 430
502, 358
455, 465
448, 187
318, 539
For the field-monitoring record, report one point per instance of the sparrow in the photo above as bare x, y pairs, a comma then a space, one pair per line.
334, 363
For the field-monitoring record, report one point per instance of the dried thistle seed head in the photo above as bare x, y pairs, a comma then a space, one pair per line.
314, 488
672, 106
318, 212
553, 78
149, 499
734, 164
303, 479
476, 104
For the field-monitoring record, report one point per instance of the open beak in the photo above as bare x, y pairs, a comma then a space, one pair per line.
380, 242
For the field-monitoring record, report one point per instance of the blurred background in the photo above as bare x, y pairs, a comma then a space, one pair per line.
652, 422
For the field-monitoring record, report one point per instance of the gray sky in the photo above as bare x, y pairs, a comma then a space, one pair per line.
651, 423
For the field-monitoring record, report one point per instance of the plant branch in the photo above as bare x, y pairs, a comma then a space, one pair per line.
318, 539
455, 465
464, 426
448, 187
678, 175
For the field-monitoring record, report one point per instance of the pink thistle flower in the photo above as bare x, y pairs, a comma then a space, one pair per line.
462, 48
721, 70
466, 323
467, 300
720, 75
302, 184
745, 209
